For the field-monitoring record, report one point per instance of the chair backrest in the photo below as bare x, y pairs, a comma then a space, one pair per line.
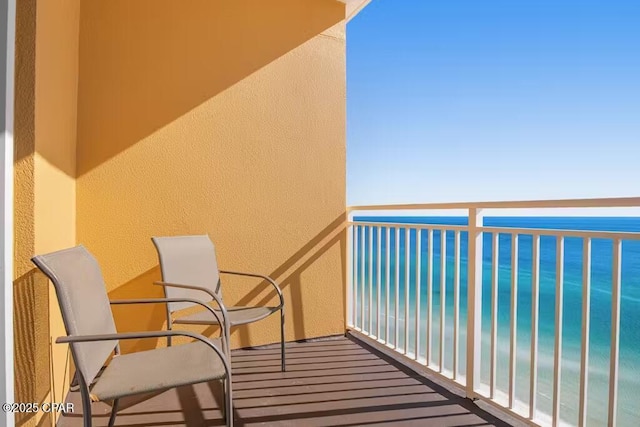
188, 260
84, 304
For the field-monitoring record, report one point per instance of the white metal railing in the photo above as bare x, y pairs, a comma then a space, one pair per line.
384, 301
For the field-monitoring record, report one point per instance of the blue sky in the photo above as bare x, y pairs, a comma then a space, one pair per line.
466, 100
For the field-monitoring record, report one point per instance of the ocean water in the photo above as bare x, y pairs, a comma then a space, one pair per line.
600, 310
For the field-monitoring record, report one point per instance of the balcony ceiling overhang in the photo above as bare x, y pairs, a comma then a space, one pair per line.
353, 7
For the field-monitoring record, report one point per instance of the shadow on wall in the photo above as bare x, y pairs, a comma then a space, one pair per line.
160, 60
32, 335
32, 342
143, 317
153, 317
164, 58
289, 272
31, 299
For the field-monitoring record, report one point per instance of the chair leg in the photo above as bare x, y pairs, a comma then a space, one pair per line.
224, 392
114, 411
282, 356
86, 403
225, 345
228, 402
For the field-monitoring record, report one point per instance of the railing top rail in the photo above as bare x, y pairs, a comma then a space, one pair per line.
616, 202
421, 226
593, 234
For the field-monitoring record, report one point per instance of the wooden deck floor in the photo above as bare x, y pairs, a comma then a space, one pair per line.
337, 382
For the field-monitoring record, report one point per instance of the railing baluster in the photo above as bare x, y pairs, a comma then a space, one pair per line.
615, 331
418, 273
350, 281
456, 302
363, 278
535, 299
407, 277
584, 350
397, 293
474, 304
370, 281
443, 289
429, 294
514, 320
378, 282
356, 233
557, 358
387, 282
494, 314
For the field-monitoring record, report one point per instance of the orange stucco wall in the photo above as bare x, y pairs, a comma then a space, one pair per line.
157, 117
45, 190
226, 118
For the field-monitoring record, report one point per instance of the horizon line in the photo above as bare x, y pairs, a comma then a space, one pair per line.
511, 212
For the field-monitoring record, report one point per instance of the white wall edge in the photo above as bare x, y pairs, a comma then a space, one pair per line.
8, 21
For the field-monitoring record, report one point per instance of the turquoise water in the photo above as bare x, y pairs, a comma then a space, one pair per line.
600, 315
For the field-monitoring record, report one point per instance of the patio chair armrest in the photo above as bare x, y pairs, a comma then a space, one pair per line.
222, 321
260, 276
216, 298
146, 334
70, 339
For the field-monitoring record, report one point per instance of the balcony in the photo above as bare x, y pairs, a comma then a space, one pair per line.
145, 118
531, 290
335, 382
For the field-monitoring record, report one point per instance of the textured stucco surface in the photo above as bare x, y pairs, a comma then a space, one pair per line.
158, 117
225, 118
45, 138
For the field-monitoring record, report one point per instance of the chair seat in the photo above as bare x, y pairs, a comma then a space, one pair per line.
160, 368
237, 316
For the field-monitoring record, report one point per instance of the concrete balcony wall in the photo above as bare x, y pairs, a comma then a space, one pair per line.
46, 84
156, 117
225, 118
